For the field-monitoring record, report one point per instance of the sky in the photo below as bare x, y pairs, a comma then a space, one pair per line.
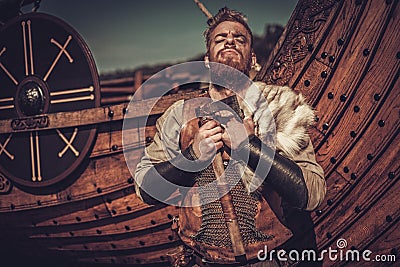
125, 34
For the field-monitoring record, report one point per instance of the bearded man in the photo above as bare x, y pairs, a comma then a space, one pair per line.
260, 134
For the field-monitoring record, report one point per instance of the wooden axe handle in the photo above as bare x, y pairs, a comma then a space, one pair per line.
228, 208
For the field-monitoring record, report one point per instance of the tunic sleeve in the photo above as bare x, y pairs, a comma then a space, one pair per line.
165, 145
313, 175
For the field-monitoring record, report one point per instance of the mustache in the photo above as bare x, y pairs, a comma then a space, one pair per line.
229, 49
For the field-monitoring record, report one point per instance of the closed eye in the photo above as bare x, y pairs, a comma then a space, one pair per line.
241, 39
219, 39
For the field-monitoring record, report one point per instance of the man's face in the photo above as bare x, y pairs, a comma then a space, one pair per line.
230, 44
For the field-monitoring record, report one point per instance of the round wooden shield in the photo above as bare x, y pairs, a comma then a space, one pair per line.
45, 67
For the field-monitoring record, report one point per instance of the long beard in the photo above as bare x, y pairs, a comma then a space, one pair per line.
239, 65
228, 77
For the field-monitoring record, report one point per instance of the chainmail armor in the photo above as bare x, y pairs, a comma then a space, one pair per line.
213, 229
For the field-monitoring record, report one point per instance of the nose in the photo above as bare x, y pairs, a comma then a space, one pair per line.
230, 40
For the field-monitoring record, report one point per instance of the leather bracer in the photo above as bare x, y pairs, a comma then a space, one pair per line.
282, 174
170, 171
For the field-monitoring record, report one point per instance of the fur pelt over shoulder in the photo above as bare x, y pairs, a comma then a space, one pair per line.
281, 116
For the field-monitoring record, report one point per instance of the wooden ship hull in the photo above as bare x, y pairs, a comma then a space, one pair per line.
342, 55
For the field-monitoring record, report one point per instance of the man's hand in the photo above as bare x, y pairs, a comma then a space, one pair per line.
236, 132
208, 140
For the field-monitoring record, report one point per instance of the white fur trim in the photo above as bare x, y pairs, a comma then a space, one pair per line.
291, 116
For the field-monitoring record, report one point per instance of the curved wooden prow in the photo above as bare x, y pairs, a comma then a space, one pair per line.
343, 56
